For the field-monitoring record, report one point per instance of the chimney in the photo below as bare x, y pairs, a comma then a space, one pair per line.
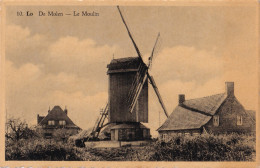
38, 118
65, 110
230, 88
181, 99
49, 109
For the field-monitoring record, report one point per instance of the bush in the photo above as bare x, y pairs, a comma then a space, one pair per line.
40, 149
63, 134
231, 147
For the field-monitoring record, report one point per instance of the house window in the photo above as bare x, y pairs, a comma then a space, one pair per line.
186, 133
164, 137
48, 135
216, 120
195, 134
239, 120
51, 122
62, 122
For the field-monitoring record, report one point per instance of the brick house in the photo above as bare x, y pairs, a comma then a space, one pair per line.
217, 114
56, 121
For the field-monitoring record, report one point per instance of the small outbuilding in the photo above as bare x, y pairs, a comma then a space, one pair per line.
218, 114
129, 132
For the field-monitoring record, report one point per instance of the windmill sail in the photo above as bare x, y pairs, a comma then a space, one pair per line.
158, 94
136, 48
141, 75
153, 51
140, 79
135, 92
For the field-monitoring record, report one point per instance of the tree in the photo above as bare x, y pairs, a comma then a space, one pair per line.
17, 129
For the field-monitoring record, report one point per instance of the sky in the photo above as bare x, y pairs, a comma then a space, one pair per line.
62, 60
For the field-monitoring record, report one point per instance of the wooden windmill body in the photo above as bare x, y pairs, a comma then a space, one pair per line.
128, 125
121, 75
127, 107
128, 95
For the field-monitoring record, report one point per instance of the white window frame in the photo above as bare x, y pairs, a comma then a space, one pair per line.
187, 134
164, 137
216, 120
51, 122
239, 120
195, 134
62, 122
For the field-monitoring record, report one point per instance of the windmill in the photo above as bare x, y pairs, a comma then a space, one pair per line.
128, 96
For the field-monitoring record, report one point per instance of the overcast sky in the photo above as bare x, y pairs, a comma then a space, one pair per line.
62, 60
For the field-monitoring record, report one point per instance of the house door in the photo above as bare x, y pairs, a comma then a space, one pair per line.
116, 134
112, 135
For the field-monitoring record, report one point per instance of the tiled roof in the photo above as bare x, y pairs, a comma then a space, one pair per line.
58, 114
209, 104
193, 113
124, 63
182, 118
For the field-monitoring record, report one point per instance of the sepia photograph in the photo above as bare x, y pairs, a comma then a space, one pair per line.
175, 83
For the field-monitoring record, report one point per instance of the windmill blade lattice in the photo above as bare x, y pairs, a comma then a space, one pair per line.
142, 73
140, 79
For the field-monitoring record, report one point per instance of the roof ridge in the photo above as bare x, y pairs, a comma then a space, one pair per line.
205, 96
207, 104
195, 110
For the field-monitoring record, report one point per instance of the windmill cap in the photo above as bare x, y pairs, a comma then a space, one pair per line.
124, 63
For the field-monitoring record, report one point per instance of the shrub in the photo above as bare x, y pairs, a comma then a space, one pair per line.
40, 149
231, 147
63, 134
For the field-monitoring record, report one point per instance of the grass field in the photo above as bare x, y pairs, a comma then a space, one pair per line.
231, 147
